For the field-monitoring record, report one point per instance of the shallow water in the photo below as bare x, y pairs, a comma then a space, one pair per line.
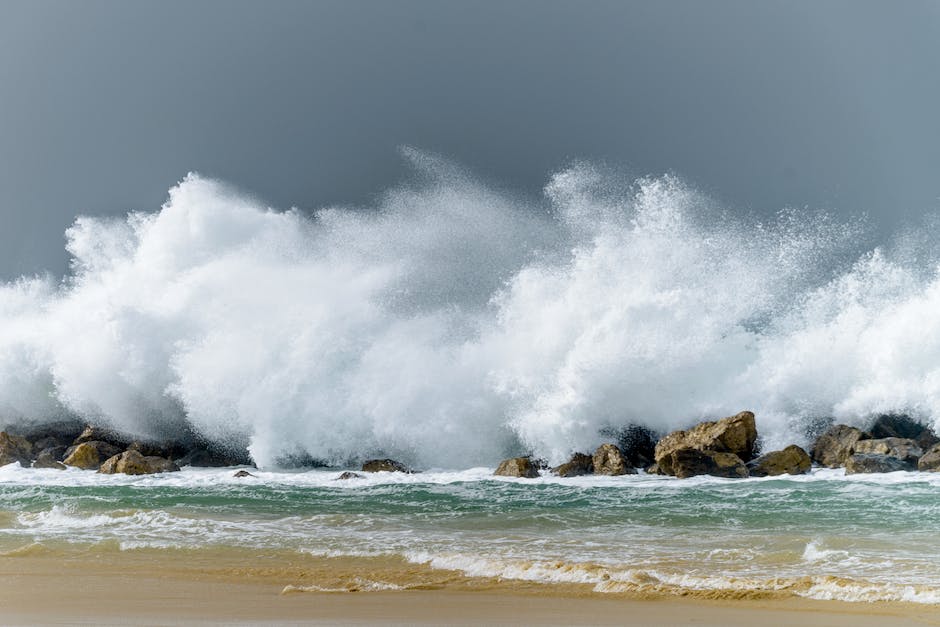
824, 535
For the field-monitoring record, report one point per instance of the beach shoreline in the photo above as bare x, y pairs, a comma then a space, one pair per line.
162, 588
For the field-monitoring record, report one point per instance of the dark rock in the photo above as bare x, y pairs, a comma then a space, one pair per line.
691, 462
834, 446
349, 475
55, 452
242, 473
609, 460
871, 462
168, 449
736, 435
930, 461
47, 459
901, 448
792, 460
900, 426
89, 455
213, 458
654, 469
131, 462
517, 467
102, 434
49, 434
637, 444
14, 448
384, 465
579, 464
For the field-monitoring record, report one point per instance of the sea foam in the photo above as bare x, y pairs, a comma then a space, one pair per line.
451, 323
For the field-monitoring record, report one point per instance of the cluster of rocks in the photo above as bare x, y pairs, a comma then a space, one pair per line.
729, 448
60, 446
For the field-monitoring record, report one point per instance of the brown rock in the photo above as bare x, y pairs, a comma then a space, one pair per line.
901, 448
609, 460
930, 461
101, 434
517, 467
579, 464
792, 460
836, 444
133, 463
736, 435
384, 465
346, 476
872, 462
84, 456
900, 426
14, 448
47, 459
691, 462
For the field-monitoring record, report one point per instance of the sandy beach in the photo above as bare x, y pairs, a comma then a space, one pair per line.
150, 588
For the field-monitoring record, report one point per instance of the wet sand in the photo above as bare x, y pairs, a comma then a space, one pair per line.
167, 588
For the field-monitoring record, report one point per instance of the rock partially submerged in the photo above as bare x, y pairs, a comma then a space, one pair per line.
517, 467
384, 465
677, 453
609, 460
241, 474
930, 461
131, 462
872, 462
792, 460
836, 444
14, 448
903, 449
89, 455
579, 464
47, 459
900, 426
346, 476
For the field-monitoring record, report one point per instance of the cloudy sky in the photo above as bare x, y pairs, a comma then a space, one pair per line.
106, 104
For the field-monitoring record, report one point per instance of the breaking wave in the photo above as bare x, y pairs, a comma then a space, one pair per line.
453, 323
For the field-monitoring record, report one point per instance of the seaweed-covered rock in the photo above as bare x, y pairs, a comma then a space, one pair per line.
792, 460
384, 465
691, 462
609, 460
836, 444
872, 462
735, 435
517, 467
133, 463
579, 464
904, 449
14, 448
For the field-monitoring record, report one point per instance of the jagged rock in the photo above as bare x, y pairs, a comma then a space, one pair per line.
101, 434
609, 460
579, 464
167, 449
14, 448
792, 460
133, 463
872, 462
349, 475
89, 455
834, 446
690, 462
211, 458
736, 435
242, 474
55, 452
517, 467
637, 444
384, 465
47, 459
51, 434
654, 469
900, 426
901, 448
930, 461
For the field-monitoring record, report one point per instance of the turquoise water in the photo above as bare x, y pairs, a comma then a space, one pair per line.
862, 538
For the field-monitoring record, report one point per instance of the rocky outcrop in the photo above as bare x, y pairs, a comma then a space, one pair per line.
792, 460
89, 455
691, 462
346, 476
579, 464
735, 435
384, 465
101, 434
903, 449
871, 462
900, 426
47, 459
133, 463
14, 448
517, 467
836, 444
637, 444
241, 474
609, 460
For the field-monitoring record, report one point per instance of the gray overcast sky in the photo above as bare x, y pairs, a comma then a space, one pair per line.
105, 104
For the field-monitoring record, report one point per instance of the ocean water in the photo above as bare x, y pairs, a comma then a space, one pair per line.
823, 536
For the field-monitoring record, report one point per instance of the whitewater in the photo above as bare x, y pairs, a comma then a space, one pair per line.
452, 323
